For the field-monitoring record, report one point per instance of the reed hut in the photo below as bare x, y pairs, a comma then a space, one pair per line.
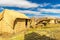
13, 21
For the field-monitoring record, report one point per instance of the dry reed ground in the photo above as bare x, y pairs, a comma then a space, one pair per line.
50, 30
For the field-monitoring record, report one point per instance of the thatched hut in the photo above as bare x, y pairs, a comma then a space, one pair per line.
13, 21
46, 20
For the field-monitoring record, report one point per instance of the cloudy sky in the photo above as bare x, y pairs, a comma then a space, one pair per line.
33, 8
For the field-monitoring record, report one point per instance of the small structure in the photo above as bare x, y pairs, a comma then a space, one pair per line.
46, 20
13, 21
42, 21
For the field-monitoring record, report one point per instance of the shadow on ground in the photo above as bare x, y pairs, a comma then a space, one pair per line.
36, 36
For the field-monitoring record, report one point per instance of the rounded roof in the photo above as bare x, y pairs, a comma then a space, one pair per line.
15, 14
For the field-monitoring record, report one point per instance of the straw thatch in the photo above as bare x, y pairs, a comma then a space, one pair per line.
12, 21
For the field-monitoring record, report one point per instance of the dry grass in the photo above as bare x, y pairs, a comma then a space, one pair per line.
50, 30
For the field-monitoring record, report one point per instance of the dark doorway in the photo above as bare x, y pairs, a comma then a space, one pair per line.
26, 22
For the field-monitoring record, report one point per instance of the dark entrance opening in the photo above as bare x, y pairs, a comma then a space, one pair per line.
26, 22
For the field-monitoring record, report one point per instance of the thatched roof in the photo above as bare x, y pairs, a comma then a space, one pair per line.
15, 13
